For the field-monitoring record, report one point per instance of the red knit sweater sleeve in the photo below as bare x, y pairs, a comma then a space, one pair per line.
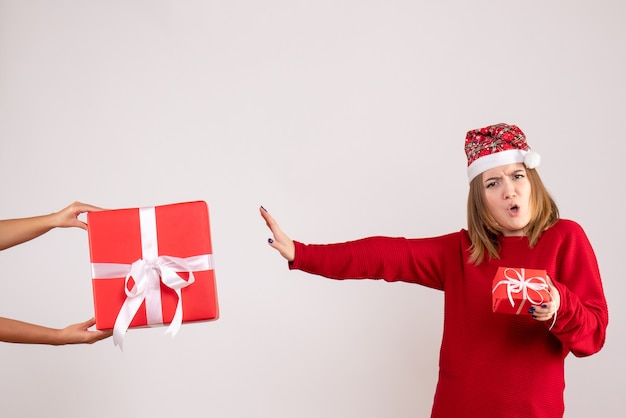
391, 259
582, 318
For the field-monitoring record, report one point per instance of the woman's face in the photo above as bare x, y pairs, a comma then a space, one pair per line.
507, 195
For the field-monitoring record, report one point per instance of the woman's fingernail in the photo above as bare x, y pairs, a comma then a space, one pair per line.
270, 240
263, 208
535, 316
531, 309
544, 306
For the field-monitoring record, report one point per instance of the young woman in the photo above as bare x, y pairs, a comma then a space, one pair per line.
491, 364
17, 231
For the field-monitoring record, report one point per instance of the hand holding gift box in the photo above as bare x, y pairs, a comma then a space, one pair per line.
516, 289
152, 266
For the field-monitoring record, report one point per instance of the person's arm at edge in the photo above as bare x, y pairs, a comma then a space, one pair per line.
14, 331
18, 231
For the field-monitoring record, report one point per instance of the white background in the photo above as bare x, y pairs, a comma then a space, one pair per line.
345, 118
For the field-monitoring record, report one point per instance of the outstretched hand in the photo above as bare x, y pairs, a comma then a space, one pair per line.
14, 331
279, 241
19, 230
80, 334
68, 217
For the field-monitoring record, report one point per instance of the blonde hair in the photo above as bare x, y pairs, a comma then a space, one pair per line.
483, 229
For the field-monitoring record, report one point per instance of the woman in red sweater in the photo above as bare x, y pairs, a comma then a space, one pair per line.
489, 362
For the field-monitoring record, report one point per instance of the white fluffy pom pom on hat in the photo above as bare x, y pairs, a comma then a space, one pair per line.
496, 145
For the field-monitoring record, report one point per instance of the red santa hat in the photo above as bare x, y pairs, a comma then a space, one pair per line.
496, 145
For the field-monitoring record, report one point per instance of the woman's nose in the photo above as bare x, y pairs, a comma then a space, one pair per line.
509, 189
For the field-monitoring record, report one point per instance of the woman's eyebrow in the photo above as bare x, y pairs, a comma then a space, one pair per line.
490, 179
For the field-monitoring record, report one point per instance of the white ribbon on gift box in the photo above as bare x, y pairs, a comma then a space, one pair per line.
521, 284
147, 273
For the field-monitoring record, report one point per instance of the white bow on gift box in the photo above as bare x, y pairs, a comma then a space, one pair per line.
520, 284
147, 273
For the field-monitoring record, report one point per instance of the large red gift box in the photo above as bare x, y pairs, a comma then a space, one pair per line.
515, 290
152, 266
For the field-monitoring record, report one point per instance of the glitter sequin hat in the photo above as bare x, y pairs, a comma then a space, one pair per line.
496, 145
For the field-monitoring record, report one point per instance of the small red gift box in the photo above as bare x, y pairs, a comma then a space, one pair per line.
152, 266
515, 290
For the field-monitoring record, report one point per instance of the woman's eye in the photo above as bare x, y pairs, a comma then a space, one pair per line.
490, 185
519, 176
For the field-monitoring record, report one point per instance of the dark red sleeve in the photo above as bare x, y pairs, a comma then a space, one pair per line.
419, 261
582, 318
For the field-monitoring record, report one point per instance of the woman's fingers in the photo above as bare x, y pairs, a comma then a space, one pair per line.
543, 312
547, 310
269, 221
279, 240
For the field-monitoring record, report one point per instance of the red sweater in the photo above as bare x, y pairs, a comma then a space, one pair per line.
491, 365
